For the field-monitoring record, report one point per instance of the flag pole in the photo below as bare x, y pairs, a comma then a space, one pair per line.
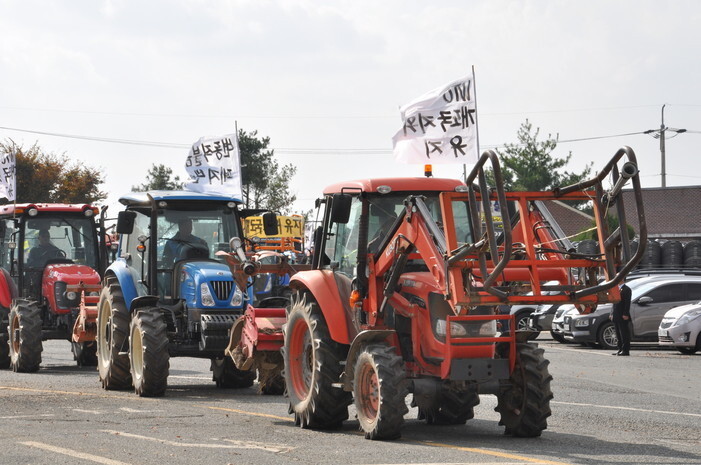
477, 126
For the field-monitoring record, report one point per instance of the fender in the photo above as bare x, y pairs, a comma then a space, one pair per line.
127, 280
361, 340
8, 289
322, 285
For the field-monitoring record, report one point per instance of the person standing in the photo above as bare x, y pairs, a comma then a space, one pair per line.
621, 321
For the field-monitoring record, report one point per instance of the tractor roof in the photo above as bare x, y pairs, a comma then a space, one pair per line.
397, 185
21, 208
142, 198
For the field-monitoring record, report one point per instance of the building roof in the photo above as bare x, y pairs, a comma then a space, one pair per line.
670, 212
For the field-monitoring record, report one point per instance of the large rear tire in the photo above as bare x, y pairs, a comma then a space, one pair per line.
148, 352
4, 339
456, 404
113, 337
24, 331
524, 403
379, 390
312, 365
227, 376
85, 353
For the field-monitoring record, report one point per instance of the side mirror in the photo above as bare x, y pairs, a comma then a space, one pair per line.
340, 208
270, 224
645, 300
125, 222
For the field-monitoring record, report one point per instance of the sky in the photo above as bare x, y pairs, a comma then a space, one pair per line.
324, 80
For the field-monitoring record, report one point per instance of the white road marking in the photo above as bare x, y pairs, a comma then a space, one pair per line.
236, 444
135, 410
615, 407
199, 378
94, 412
12, 417
73, 453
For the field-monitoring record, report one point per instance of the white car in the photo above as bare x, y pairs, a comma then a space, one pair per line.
557, 330
681, 328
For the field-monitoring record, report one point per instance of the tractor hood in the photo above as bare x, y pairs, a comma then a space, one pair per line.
70, 273
209, 285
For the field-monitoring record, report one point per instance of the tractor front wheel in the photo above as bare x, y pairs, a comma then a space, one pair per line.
148, 352
85, 353
113, 337
24, 331
379, 390
455, 405
312, 366
524, 403
4, 340
226, 375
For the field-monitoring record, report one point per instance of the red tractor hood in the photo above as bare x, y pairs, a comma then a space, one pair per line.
70, 274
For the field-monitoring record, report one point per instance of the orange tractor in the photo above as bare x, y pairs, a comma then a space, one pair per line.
404, 288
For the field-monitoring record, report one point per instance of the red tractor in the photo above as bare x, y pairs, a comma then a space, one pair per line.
51, 261
406, 280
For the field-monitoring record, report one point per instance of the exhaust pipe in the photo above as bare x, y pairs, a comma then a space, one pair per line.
628, 170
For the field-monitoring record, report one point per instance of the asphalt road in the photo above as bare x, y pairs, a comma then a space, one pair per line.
643, 409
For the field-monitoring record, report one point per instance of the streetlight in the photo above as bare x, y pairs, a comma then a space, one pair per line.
660, 133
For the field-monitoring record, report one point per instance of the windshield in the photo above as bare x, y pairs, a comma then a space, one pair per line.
194, 233
49, 238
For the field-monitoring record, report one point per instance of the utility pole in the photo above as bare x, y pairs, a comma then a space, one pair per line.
661, 134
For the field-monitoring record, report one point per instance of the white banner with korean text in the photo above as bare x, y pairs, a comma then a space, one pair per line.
214, 166
440, 127
8, 178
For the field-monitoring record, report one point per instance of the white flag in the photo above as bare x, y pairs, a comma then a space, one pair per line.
214, 165
8, 170
440, 126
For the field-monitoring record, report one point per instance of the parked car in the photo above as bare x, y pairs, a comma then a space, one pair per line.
522, 314
681, 328
651, 298
557, 327
542, 319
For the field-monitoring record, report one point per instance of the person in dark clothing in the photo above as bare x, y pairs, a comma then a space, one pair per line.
621, 321
184, 244
44, 251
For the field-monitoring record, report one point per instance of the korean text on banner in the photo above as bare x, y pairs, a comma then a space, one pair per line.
214, 166
8, 170
440, 126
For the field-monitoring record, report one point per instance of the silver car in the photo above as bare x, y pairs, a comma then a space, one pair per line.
681, 328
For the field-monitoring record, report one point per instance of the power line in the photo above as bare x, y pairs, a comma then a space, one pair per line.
289, 150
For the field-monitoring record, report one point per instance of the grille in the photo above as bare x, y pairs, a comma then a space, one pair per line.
665, 324
222, 289
665, 339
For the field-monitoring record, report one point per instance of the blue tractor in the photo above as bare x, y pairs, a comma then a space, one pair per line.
166, 295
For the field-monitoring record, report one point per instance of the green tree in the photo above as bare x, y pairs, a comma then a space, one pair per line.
530, 165
264, 182
159, 178
47, 177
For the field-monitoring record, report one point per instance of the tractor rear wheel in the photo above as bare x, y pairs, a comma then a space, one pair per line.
4, 340
85, 353
524, 405
25, 336
379, 390
312, 365
226, 375
148, 352
456, 404
113, 337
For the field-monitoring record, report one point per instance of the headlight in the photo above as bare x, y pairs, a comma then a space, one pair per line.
93, 294
688, 317
71, 295
237, 299
207, 299
455, 329
582, 322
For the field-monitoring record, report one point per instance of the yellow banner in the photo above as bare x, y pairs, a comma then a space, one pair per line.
287, 226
